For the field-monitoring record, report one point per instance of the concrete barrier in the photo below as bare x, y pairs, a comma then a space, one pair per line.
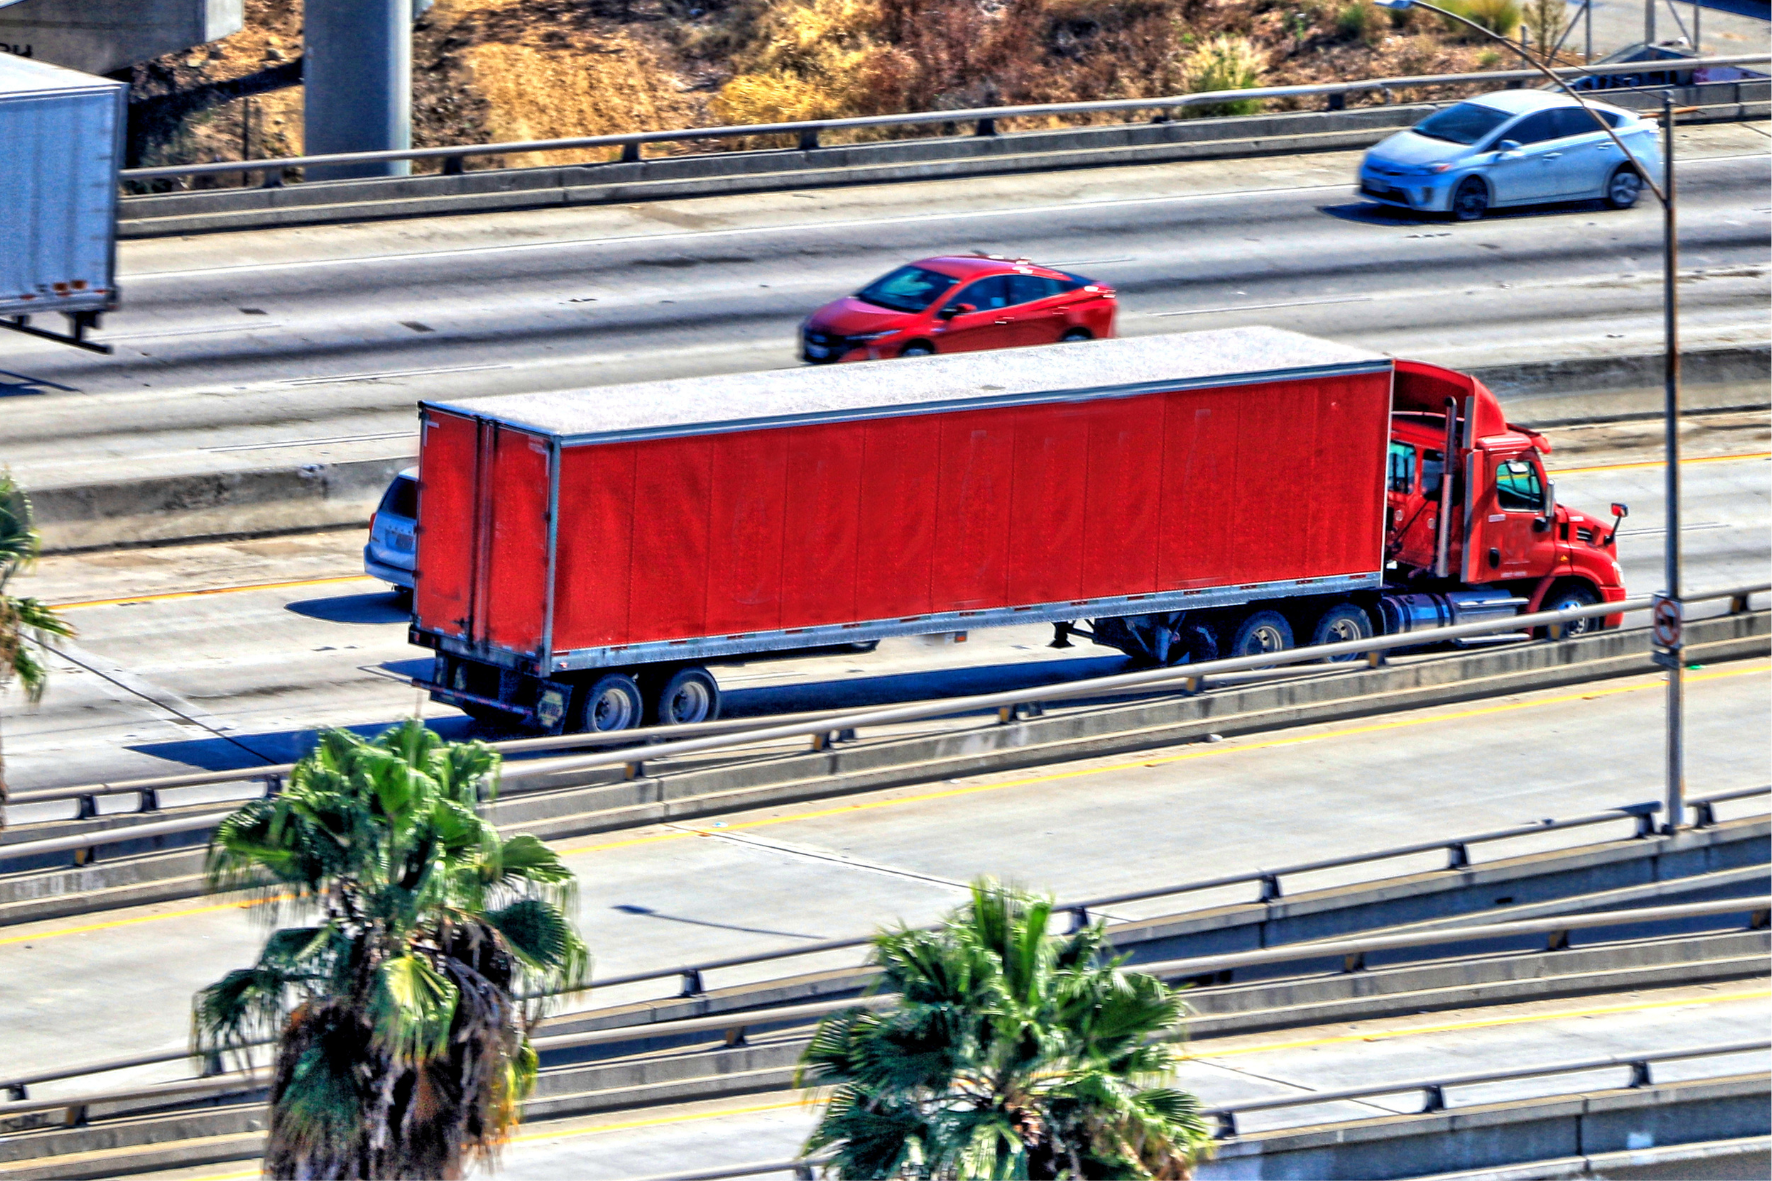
719, 173
1496, 1134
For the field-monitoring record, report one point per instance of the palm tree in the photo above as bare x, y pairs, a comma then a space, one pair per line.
21, 619
1014, 1053
402, 1038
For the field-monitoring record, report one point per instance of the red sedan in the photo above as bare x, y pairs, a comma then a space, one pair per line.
956, 304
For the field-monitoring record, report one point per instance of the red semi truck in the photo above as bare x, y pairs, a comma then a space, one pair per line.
583, 556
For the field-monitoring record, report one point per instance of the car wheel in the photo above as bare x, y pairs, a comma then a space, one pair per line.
1471, 200
1624, 187
1263, 631
916, 349
612, 703
1567, 598
1077, 334
1340, 624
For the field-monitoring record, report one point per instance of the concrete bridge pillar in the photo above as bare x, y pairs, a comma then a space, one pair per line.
357, 83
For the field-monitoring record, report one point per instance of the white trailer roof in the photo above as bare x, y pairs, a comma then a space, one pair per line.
780, 397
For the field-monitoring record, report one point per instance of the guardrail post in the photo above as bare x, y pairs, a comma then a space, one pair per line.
1458, 856
271, 178
1640, 1075
1375, 658
1354, 962
150, 800
1270, 887
1759, 919
692, 985
809, 140
633, 770
630, 153
735, 1037
1433, 1098
1079, 919
1337, 101
1704, 813
803, 1172
273, 786
1737, 604
1557, 941
1645, 819
212, 1064
87, 807
1227, 1125
86, 856
985, 127
452, 165
75, 1116
1019, 711
18, 1092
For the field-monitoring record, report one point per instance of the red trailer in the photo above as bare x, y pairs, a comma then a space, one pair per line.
584, 555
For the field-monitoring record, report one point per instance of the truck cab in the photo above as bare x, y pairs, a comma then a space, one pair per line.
1471, 515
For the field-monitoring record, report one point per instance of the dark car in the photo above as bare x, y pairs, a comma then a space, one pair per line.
956, 304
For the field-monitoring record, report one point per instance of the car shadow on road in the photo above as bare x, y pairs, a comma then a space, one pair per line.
1373, 214
372, 607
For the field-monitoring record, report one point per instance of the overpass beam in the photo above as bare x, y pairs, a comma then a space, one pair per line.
357, 83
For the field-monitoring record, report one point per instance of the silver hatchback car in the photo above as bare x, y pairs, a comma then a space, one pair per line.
393, 540
1513, 147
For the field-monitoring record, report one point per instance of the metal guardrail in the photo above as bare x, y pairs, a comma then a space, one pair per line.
18, 1086
823, 727
984, 120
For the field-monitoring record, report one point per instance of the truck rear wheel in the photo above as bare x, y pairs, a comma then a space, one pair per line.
1339, 624
1263, 631
613, 702
689, 695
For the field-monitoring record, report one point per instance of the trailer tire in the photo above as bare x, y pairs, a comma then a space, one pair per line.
612, 702
688, 695
1262, 631
1338, 625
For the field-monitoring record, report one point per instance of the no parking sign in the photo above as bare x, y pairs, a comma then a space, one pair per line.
1666, 615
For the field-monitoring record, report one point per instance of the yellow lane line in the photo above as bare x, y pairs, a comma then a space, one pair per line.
1201, 753
1618, 467
974, 789
1523, 1019
214, 590
1381, 1035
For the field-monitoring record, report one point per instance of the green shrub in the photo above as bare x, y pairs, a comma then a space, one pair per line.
1225, 63
1498, 16
1354, 21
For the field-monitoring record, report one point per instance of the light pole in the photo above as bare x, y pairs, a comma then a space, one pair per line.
1667, 610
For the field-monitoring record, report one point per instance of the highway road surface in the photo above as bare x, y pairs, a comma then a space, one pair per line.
173, 679
118, 983
310, 345
626, 1145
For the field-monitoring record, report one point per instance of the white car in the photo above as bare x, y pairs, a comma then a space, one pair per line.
393, 537
1513, 147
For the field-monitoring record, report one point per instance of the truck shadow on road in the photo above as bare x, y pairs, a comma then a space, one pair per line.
866, 692
370, 607
13, 385
281, 746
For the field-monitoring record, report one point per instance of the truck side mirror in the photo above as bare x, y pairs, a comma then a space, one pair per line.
1621, 511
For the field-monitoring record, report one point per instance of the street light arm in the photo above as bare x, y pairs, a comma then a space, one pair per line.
1548, 73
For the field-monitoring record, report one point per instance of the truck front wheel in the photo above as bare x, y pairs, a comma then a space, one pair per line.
613, 702
689, 695
1567, 597
1263, 631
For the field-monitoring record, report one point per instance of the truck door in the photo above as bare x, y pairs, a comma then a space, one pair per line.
1514, 522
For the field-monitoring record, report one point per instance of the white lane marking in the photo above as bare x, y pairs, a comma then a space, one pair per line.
387, 374
243, 326
849, 224
314, 442
1256, 307
811, 854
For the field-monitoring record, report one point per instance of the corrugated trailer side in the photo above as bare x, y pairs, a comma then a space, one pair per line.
1087, 506
62, 137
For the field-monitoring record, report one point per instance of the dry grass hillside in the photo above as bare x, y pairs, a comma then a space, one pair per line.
539, 69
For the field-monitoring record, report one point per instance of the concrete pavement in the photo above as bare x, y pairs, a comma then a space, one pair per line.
274, 349
669, 894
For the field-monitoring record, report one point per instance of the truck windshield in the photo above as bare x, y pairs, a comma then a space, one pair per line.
1462, 123
908, 289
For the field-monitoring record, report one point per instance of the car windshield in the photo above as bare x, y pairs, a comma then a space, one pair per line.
1463, 123
908, 289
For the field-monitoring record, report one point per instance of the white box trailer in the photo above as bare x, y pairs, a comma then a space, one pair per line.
61, 143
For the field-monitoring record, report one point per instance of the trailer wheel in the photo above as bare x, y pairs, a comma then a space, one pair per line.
1338, 625
1263, 631
690, 695
613, 702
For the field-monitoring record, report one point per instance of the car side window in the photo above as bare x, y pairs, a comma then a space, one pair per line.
1028, 288
986, 294
1517, 487
1401, 474
1533, 129
1575, 121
